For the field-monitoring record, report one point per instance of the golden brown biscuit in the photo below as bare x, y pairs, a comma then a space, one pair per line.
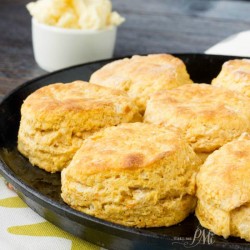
235, 75
56, 119
134, 174
223, 190
209, 116
141, 76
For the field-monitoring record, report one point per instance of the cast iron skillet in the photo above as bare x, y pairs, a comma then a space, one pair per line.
41, 190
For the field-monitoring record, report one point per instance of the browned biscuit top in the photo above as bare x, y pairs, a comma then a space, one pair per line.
128, 146
235, 75
72, 96
209, 116
141, 76
78, 101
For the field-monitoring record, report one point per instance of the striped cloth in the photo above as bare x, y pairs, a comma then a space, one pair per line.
22, 229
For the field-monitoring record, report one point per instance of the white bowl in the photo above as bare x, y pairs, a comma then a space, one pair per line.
56, 48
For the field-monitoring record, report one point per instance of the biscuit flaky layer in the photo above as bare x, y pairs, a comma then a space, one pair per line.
56, 119
134, 174
141, 76
209, 116
235, 75
223, 190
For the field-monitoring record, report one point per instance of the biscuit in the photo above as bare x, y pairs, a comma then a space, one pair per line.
135, 174
235, 75
209, 116
223, 190
141, 76
56, 118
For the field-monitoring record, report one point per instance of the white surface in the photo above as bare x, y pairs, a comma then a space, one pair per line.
236, 45
57, 48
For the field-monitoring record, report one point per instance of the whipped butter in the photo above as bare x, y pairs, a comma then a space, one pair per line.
75, 14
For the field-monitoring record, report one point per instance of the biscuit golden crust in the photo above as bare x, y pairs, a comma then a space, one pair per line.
235, 75
223, 190
134, 174
58, 117
141, 76
209, 116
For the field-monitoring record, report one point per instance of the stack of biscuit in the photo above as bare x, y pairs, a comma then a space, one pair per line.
142, 173
57, 118
134, 174
223, 190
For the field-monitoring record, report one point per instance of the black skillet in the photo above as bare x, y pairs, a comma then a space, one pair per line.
41, 190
